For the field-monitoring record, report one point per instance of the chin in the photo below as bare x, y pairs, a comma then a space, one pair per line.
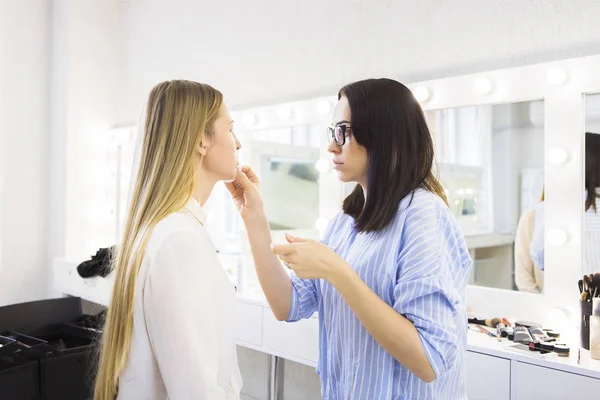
231, 176
344, 177
228, 178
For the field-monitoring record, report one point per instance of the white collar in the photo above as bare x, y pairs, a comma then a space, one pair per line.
196, 209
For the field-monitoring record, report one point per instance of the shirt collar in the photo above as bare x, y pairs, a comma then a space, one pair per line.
196, 209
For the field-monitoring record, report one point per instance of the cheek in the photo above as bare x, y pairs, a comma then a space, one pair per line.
224, 143
358, 157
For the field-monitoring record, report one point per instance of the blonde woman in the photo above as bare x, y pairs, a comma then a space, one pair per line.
169, 331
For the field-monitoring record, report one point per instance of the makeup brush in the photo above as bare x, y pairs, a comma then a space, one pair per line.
587, 283
580, 285
493, 322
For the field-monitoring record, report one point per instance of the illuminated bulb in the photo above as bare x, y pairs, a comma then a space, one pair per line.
557, 237
461, 192
556, 76
557, 156
284, 113
421, 93
322, 165
483, 85
321, 224
249, 119
323, 107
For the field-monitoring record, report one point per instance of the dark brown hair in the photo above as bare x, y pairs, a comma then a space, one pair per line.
389, 122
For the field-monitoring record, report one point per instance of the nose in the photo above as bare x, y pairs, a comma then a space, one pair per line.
333, 147
238, 145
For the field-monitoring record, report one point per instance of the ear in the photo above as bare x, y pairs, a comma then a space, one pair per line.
204, 146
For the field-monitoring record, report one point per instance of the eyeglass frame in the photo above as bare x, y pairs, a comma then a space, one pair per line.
345, 130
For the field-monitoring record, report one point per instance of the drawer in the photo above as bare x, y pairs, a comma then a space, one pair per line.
487, 377
249, 323
533, 382
298, 341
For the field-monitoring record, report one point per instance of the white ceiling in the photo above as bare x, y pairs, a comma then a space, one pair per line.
263, 51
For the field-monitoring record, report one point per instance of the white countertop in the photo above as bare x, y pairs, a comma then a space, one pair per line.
259, 330
481, 343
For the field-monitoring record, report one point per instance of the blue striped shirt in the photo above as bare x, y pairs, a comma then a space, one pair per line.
419, 265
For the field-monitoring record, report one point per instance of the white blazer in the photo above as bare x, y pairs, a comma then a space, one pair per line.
183, 344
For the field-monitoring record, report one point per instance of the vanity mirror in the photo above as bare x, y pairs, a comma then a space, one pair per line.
591, 217
490, 160
286, 160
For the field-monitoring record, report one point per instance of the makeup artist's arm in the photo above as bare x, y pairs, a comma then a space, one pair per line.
289, 300
524, 268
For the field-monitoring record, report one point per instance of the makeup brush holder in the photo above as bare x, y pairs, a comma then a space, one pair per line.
586, 312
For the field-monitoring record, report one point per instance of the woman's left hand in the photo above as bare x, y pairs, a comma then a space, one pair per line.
310, 259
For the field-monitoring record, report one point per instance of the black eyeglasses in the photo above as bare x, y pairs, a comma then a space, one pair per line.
338, 133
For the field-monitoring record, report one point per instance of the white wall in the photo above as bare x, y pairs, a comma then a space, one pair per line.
86, 44
263, 51
25, 41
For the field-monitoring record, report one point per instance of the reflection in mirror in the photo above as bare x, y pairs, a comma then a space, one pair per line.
490, 160
591, 221
286, 160
290, 191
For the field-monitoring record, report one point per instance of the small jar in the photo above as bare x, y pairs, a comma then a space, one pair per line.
595, 329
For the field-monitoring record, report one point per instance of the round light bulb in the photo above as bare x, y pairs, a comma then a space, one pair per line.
483, 85
284, 113
322, 165
557, 237
556, 76
321, 224
249, 119
421, 93
323, 107
558, 156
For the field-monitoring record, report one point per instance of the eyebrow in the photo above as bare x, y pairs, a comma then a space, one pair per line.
342, 122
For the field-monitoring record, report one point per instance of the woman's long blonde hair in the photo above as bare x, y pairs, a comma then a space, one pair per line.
179, 116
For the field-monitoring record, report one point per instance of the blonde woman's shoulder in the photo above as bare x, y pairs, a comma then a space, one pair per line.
174, 224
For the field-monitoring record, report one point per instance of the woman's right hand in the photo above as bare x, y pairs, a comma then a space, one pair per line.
245, 193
